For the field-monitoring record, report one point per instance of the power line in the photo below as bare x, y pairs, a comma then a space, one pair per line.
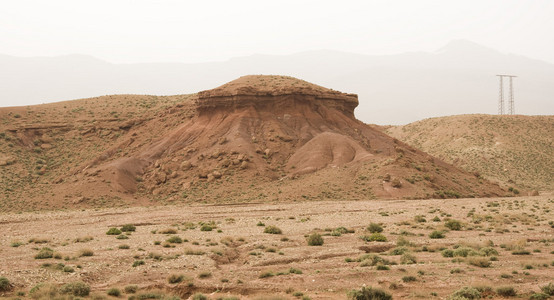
501, 95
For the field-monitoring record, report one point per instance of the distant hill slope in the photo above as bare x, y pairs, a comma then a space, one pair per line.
514, 150
254, 139
392, 89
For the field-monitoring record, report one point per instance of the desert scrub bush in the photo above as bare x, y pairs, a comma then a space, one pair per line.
85, 252
68, 269
175, 278
175, 240
315, 239
398, 251
548, 289
266, 274
45, 253
79, 289
115, 292
83, 239
466, 293
122, 237
409, 279
43, 291
190, 251
374, 228
203, 275
206, 227
408, 259
374, 237
5, 284
369, 293
436, 234
488, 251
137, 263
295, 271
128, 228
506, 291
420, 219
464, 252
447, 253
521, 252
16, 244
539, 296
453, 224
168, 231
372, 260
124, 246
130, 289
480, 262
272, 230
199, 296
113, 231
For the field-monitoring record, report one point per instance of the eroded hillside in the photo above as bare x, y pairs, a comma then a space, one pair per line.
256, 139
517, 151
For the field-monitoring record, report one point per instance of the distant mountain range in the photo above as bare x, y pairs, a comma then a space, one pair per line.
393, 89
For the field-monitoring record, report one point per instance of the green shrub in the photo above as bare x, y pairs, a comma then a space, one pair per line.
175, 278
464, 252
548, 289
398, 251
295, 271
113, 231
199, 296
68, 269
206, 227
488, 251
480, 262
466, 293
45, 253
539, 296
374, 237
128, 228
408, 259
506, 291
372, 260
79, 289
521, 252
5, 284
374, 228
436, 235
409, 279
369, 293
114, 292
315, 239
273, 230
130, 289
137, 263
420, 219
175, 240
453, 224
447, 253
86, 252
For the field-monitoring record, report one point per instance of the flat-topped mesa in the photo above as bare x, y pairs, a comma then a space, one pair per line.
269, 92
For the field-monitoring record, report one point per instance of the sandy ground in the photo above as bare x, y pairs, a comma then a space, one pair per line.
237, 251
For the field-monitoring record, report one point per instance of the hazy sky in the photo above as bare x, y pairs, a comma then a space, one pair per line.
125, 31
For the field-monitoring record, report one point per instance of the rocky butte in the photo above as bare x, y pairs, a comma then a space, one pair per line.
262, 138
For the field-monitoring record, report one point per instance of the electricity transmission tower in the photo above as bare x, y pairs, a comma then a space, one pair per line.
501, 95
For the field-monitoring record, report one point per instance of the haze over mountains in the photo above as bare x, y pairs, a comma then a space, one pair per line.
393, 89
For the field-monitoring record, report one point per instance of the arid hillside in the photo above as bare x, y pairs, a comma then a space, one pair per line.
255, 139
515, 150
